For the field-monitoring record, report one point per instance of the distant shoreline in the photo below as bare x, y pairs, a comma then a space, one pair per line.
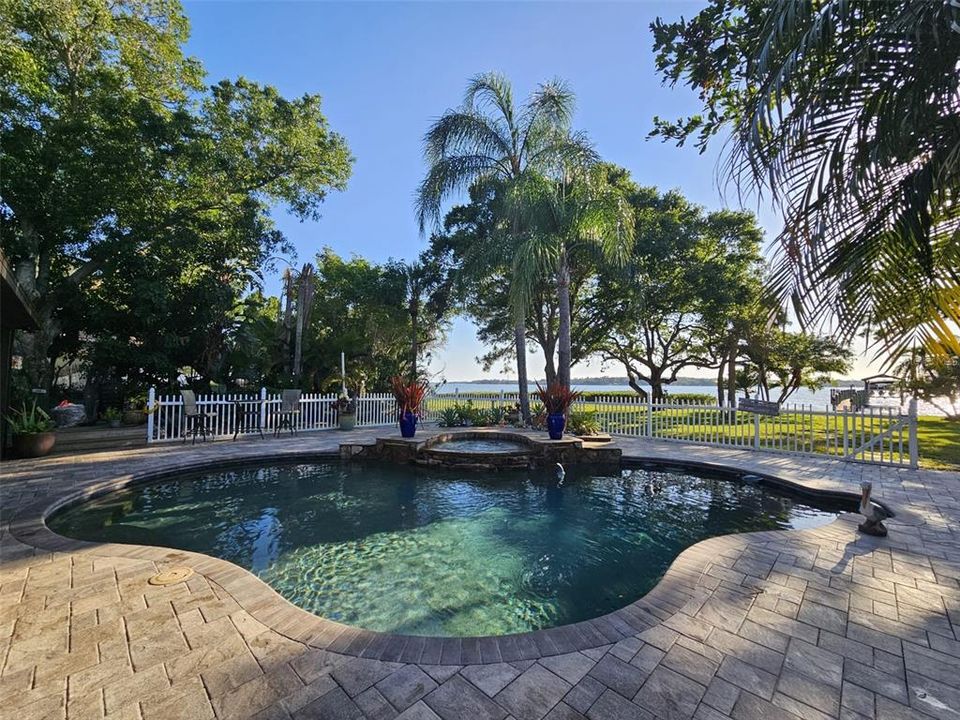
679, 382
580, 381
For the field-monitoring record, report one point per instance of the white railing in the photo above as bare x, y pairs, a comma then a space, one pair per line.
881, 435
223, 413
877, 435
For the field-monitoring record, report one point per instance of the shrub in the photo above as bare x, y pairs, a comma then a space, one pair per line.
538, 416
699, 398
584, 423
450, 417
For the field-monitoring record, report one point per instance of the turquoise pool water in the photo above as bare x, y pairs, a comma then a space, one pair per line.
442, 552
479, 445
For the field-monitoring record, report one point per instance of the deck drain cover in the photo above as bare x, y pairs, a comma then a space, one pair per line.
171, 576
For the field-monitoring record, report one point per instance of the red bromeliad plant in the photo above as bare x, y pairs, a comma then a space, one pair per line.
557, 398
409, 395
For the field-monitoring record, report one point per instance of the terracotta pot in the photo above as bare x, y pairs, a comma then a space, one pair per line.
33, 444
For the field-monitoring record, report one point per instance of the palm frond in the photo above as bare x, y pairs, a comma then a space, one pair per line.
860, 148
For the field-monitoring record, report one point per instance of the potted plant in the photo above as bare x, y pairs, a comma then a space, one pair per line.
32, 430
346, 409
409, 397
113, 417
556, 399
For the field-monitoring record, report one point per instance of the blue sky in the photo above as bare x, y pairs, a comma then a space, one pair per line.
386, 70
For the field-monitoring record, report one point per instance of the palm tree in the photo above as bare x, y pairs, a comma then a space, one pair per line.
848, 113
578, 213
490, 139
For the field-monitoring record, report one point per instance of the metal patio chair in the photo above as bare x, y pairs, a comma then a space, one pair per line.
289, 412
197, 420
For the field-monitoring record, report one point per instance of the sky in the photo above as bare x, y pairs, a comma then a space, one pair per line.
385, 71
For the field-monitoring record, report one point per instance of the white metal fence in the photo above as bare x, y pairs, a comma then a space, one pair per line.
877, 435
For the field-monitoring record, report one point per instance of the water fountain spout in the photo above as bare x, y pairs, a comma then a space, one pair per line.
561, 474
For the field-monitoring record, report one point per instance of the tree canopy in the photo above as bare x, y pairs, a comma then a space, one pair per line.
135, 202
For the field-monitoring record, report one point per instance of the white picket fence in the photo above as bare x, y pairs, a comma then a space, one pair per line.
166, 420
880, 435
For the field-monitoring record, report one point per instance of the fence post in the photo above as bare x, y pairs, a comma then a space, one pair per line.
756, 431
846, 432
151, 403
914, 448
263, 407
649, 415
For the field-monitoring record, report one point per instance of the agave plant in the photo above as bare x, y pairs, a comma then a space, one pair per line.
557, 398
32, 421
409, 395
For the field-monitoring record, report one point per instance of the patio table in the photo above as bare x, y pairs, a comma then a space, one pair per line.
247, 417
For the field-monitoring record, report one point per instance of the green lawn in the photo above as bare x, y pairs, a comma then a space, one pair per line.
939, 441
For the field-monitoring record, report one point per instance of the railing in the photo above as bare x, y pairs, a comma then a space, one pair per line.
879, 435
166, 420
876, 435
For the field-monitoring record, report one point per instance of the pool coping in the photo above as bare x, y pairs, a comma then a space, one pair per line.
669, 596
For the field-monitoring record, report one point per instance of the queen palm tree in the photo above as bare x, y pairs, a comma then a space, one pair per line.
578, 213
490, 139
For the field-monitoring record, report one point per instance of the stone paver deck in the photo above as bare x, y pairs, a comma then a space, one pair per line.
820, 623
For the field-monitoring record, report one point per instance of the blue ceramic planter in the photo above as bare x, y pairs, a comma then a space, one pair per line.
555, 425
408, 425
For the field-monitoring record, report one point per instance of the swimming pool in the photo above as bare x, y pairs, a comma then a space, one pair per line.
441, 552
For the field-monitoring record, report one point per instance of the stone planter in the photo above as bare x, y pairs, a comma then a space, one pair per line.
347, 421
33, 444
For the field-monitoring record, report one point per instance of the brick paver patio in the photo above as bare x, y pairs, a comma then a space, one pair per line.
821, 623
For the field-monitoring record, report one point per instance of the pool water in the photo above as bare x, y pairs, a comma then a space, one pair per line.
442, 552
480, 445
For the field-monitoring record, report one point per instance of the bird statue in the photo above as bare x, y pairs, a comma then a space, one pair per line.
873, 514
561, 474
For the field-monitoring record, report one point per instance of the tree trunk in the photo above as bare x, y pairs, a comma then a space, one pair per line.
520, 342
298, 346
563, 300
638, 388
304, 305
414, 340
549, 366
732, 374
656, 388
720, 387
287, 321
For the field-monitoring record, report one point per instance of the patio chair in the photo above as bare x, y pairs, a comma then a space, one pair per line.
289, 411
196, 419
